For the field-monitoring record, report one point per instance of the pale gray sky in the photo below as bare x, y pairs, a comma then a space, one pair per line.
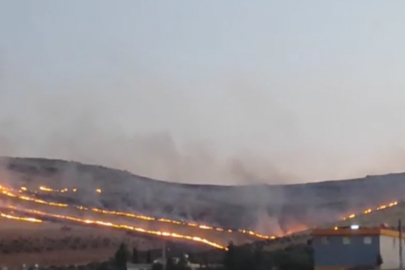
207, 91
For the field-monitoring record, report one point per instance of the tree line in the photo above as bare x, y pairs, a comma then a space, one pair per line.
252, 257
248, 257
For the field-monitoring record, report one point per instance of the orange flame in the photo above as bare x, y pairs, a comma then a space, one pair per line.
368, 211
118, 226
20, 218
8, 192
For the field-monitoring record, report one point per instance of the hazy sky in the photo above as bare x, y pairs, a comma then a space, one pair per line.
207, 91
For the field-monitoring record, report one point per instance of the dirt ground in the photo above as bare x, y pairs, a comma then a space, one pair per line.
220, 237
46, 244
61, 257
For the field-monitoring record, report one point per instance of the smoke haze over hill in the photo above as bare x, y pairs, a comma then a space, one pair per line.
266, 99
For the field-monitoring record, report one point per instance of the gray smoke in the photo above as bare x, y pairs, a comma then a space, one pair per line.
127, 124
78, 126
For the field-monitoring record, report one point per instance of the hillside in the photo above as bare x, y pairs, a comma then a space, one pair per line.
387, 214
268, 208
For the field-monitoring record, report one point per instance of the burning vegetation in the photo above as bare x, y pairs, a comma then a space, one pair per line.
73, 204
30, 214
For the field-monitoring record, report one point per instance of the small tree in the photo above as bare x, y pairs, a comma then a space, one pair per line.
122, 257
257, 260
157, 266
170, 265
103, 266
205, 259
183, 263
148, 257
230, 257
135, 255
379, 260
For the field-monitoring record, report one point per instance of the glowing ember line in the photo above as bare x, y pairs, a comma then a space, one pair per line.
368, 211
117, 213
123, 226
20, 218
8, 192
45, 189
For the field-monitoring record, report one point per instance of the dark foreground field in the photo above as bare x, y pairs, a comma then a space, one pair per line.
47, 244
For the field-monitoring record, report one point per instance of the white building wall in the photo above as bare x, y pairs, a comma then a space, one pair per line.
389, 250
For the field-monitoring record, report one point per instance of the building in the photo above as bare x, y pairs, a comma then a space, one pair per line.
343, 248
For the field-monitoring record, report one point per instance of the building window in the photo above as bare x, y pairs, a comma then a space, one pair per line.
325, 240
367, 240
346, 240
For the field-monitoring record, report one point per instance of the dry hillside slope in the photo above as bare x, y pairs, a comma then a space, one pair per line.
272, 209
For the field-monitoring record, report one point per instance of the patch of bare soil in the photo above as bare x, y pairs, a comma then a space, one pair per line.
52, 244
